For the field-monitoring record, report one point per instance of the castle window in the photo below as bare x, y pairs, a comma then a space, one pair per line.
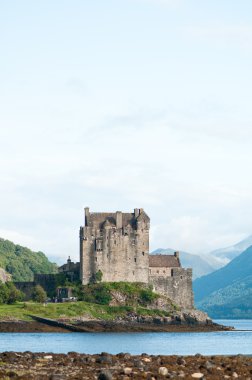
163, 271
143, 253
181, 277
150, 270
96, 259
114, 241
133, 272
157, 271
135, 259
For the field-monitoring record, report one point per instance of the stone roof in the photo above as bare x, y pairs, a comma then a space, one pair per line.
98, 218
169, 261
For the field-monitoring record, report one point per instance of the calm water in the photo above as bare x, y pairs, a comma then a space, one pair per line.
227, 342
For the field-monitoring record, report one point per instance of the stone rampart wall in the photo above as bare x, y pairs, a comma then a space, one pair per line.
178, 287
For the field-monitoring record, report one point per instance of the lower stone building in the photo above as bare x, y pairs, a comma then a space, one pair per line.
168, 277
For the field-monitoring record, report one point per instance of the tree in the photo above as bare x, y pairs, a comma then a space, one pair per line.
9, 293
39, 294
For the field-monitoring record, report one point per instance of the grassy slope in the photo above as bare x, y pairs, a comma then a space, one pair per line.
137, 298
22, 310
22, 263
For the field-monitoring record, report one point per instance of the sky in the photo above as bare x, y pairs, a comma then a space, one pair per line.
120, 104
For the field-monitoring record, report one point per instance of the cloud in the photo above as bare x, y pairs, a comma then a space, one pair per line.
240, 34
188, 233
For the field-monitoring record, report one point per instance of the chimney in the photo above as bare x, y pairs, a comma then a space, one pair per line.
176, 254
118, 219
136, 212
87, 215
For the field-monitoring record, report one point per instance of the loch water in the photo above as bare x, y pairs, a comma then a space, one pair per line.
209, 343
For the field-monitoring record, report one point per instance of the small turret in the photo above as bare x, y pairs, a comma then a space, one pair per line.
118, 219
87, 216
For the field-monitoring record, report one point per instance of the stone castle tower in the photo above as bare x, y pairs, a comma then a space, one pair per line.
117, 244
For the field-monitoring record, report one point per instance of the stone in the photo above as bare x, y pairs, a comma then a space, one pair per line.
197, 375
181, 361
163, 371
146, 360
48, 357
105, 375
209, 365
138, 364
104, 360
235, 375
181, 374
127, 370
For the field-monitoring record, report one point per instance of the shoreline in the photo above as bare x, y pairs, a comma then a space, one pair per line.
42, 325
104, 366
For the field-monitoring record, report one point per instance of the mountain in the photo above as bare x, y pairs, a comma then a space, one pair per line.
22, 263
225, 255
199, 265
227, 292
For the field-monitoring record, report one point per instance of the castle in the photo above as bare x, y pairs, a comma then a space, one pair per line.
116, 246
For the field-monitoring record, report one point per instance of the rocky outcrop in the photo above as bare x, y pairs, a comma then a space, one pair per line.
159, 302
4, 276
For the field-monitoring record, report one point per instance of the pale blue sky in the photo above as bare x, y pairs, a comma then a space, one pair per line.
123, 104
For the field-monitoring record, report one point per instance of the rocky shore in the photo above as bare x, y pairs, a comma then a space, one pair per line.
40, 366
105, 326
193, 321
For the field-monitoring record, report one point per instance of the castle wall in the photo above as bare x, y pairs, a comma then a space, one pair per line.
178, 286
49, 282
160, 271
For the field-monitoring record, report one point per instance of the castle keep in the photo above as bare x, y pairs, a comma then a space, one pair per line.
116, 245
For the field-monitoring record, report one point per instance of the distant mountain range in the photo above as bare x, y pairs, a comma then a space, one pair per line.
227, 292
225, 255
188, 260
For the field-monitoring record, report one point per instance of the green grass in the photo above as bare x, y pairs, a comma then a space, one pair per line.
101, 293
22, 311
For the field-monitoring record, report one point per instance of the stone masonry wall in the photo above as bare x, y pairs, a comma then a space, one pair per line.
178, 286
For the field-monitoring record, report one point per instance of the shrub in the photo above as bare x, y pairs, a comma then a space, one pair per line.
39, 294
